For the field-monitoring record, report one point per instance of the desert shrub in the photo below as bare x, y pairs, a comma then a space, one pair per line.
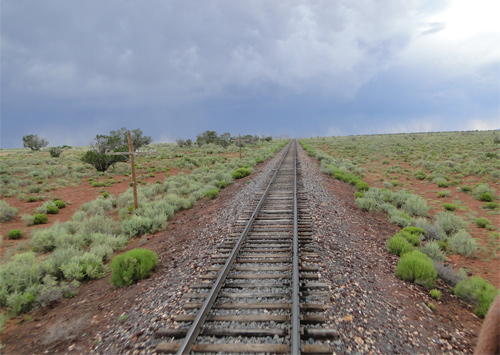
367, 204
212, 193
55, 152
34, 189
83, 267
102, 251
221, 184
450, 276
416, 267
466, 188
20, 302
400, 218
398, 245
462, 243
412, 234
136, 226
31, 199
449, 207
486, 197
240, 173
52, 209
436, 294
19, 277
40, 218
416, 206
433, 251
362, 186
60, 204
442, 194
51, 290
14, 234
7, 212
482, 222
116, 242
478, 291
441, 182
420, 175
490, 206
432, 231
132, 266
449, 222
358, 194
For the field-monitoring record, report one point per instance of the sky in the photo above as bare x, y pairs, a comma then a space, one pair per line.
73, 69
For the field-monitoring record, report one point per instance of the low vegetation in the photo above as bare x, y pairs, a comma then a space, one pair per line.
399, 172
79, 249
132, 266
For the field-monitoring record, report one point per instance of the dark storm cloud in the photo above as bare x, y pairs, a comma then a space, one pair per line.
176, 68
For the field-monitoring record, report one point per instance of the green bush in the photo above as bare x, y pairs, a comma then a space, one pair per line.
212, 193
40, 218
7, 212
466, 188
416, 267
478, 291
15, 234
60, 204
132, 266
358, 194
52, 209
449, 207
55, 152
362, 186
436, 294
398, 245
31, 199
221, 184
412, 234
442, 183
490, 206
482, 222
462, 243
486, 197
240, 173
443, 194
420, 175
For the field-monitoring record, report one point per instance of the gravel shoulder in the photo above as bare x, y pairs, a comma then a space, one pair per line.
374, 311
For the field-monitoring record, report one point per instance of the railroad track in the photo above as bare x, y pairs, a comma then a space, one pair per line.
261, 294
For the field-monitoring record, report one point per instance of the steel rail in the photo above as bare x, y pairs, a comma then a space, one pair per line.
295, 331
202, 314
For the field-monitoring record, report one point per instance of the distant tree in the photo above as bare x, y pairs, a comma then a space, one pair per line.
207, 137
55, 152
33, 142
138, 140
180, 142
117, 141
189, 142
225, 139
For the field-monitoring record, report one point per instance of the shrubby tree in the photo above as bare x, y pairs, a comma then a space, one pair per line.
207, 137
138, 139
33, 142
117, 141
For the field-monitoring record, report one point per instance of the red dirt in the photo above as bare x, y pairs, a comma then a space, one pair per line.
102, 304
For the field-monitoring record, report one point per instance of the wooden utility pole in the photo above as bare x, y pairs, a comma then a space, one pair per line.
239, 135
131, 153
